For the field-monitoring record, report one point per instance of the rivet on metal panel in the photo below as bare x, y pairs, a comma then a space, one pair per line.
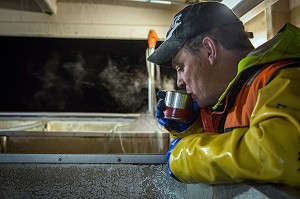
59, 158
119, 159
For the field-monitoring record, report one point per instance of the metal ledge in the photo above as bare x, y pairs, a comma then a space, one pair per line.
67, 116
82, 159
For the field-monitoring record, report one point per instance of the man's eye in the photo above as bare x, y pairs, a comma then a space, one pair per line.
179, 69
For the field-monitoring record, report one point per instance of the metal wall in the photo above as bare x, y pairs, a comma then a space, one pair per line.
117, 181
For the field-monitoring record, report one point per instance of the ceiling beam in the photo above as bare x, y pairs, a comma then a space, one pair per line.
47, 6
277, 16
247, 10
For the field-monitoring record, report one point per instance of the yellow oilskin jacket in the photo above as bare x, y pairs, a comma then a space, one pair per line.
258, 136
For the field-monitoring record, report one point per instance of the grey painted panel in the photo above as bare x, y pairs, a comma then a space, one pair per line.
93, 181
83, 158
119, 181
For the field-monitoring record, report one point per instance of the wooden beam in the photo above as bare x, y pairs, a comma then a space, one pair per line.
277, 16
244, 6
47, 6
247, 10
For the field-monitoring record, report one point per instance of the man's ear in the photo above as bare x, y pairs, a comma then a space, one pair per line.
211, 48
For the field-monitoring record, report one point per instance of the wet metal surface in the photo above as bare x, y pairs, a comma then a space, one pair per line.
93, 181
119, 181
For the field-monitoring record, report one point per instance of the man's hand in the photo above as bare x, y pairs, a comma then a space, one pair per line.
178, 126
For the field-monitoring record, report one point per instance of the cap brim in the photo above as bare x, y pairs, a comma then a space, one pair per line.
165, 52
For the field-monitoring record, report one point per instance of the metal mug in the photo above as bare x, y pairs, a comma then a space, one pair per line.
178, 106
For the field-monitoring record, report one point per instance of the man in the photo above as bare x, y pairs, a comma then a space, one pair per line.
248, 126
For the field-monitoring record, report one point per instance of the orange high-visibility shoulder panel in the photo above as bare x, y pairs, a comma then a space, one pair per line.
240, 113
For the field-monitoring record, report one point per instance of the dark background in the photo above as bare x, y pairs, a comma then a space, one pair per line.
74, 75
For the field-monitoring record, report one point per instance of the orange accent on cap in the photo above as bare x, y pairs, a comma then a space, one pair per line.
152, 39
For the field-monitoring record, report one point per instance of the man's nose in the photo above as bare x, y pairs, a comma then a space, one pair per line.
180, 82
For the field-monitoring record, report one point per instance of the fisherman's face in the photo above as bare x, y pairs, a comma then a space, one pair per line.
196, 75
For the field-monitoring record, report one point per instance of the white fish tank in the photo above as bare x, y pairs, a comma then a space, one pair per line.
78, 133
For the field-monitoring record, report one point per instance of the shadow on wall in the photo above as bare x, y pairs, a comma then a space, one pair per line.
75, 75
21, 5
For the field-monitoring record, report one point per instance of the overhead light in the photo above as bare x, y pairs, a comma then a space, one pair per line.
228, 3
231, 3
161, 2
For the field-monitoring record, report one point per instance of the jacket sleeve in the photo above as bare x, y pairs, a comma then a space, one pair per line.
267, 151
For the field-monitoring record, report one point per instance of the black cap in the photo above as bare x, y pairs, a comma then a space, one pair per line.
189, 22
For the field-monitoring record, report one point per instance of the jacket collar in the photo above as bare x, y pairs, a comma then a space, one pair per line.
281, 46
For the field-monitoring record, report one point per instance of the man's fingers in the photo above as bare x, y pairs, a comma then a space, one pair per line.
161, 94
